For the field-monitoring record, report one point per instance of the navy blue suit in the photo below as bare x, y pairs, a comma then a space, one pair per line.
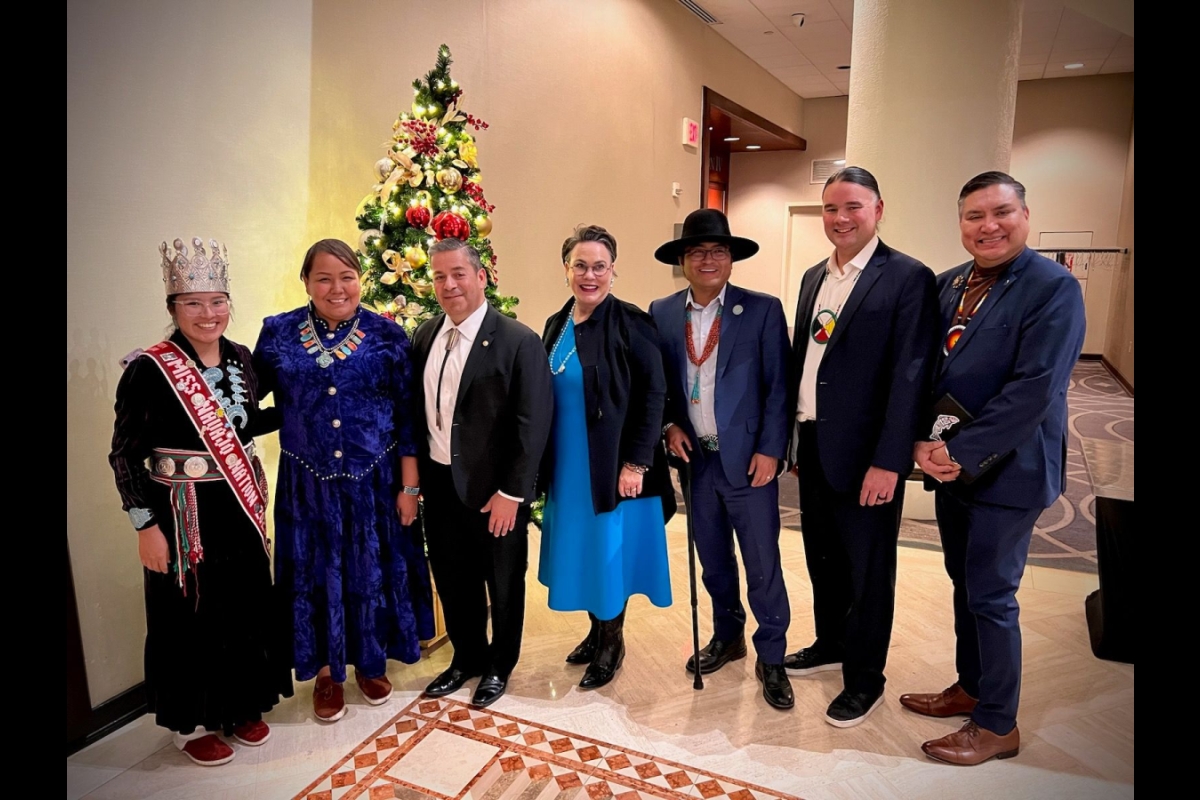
750, 406
1010, 371
872, 381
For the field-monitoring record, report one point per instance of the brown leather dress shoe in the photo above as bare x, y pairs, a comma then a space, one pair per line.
329, 701
950, 703
973, 745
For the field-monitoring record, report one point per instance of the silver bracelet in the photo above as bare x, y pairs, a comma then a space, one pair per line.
638, 468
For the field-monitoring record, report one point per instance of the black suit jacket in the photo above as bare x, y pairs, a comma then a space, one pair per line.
503, 413
624, 391
875, 373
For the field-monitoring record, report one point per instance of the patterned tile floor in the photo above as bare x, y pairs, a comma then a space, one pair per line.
446, 749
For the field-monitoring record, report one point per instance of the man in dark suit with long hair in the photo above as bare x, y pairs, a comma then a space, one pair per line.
487, 405
864, 336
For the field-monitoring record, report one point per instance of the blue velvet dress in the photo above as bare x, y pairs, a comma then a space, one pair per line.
594, 562
354, 583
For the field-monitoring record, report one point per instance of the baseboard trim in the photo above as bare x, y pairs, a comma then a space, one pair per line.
1091, 357
111, 715
1117, 376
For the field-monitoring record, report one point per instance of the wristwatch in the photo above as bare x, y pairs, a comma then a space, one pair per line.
411, 490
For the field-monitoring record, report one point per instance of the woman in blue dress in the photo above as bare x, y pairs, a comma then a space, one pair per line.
609, 494
348, 564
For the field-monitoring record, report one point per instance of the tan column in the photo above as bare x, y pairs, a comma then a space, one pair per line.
933, 88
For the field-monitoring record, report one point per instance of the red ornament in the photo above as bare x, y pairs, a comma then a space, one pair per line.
448, 225
418, 216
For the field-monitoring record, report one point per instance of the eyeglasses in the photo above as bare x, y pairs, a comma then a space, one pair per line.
699, 255
599, 270
195, 308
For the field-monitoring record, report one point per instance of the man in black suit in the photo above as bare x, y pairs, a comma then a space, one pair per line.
488, 403
865, 328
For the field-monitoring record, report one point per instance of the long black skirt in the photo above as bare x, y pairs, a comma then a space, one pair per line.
212, 660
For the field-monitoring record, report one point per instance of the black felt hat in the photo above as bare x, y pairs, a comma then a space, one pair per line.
706, 225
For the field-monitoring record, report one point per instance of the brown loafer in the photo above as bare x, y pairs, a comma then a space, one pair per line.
377, 690
973, 745
329, 701
950, 703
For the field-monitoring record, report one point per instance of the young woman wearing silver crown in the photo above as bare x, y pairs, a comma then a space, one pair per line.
188, 408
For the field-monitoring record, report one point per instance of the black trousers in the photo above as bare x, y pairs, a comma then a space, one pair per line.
469, 566
851, 554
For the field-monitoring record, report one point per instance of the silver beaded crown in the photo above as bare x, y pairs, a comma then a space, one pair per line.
195, 272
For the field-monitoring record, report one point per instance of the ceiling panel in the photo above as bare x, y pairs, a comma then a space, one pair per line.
806, 58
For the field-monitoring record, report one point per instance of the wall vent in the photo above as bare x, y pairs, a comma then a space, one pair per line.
698, 10
823, 168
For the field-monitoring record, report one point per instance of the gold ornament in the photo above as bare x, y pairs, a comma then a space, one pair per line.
413, 310
384, 167
388, 278
424, 198
415, 256
483, 224
450, 179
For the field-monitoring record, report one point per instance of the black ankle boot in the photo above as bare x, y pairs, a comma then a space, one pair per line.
586, 651
609, 654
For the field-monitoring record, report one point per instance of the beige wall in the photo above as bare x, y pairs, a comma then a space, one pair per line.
183, 119
1118, 348
585, 101
1070, 147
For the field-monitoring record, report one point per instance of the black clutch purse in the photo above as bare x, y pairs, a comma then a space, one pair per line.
948, 418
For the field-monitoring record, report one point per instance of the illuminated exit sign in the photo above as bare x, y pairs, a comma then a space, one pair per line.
691, 132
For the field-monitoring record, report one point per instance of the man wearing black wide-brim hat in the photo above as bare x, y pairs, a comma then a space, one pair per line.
725, 350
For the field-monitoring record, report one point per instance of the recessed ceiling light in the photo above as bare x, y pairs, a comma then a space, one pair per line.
1076, 65
754, 147
733, 138
844, 66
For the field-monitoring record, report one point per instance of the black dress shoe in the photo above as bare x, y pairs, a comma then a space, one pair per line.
448, 682
490, 689
586, 650
717, 654
777, 689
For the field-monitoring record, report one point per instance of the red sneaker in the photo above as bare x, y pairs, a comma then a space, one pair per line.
208, 751
252, 733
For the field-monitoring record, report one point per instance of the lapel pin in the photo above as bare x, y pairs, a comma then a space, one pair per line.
485, 343
737, 310
958, 282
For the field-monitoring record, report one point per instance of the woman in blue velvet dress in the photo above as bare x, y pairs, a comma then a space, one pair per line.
609, 494
351, 568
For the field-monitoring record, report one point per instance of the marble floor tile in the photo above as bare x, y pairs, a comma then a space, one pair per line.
546, 739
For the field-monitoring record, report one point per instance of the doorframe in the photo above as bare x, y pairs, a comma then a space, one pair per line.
789, 210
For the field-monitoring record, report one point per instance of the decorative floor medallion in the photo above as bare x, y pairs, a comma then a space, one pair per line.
447, 750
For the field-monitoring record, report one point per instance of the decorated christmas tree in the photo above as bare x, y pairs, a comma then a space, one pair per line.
430, 188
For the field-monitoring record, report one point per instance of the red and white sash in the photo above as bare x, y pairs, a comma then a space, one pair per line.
217, 433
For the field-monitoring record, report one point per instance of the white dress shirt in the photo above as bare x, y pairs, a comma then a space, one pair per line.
703, 415
455, 360
832, 295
